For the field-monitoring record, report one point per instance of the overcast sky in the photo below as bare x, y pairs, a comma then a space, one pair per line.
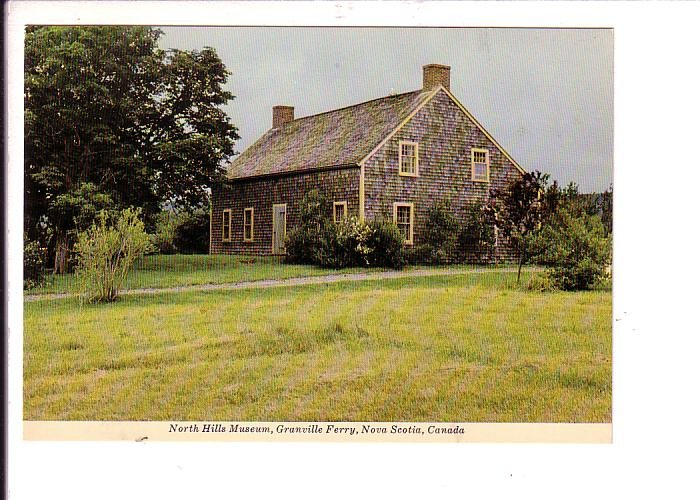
546, 95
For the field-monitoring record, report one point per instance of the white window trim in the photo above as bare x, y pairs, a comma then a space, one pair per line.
488, 164
398, 204
226, 213
343, 204
252, 224
415, 145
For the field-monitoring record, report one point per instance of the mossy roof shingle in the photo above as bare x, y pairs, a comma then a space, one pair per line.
340, 137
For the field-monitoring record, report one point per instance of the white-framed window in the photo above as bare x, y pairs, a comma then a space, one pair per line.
408, 158
403, 218
480, 165
340, 210
226, 225
248, 223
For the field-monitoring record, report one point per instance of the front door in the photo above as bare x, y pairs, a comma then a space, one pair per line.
279, 228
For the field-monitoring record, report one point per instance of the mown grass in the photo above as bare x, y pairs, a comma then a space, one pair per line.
470, 348
164, 271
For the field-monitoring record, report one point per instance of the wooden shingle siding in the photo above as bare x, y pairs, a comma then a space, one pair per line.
261, 193
445, 137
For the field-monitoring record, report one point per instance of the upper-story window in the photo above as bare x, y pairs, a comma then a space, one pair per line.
248, 224
340, 210
408, 158
480, 165
226, 225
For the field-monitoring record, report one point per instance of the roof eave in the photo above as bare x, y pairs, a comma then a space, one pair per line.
326, 168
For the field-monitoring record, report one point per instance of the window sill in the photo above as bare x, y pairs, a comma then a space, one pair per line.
404, 174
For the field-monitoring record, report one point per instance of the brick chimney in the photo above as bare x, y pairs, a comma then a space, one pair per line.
434, 75
282, 115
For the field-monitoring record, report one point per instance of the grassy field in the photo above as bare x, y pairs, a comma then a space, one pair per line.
164, 271
471, 348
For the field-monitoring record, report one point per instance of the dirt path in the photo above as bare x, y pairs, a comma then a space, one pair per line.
306, 280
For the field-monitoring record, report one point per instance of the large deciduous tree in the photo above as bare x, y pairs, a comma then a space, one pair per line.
112, 120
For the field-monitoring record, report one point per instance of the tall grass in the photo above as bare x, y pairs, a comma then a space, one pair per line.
449, 348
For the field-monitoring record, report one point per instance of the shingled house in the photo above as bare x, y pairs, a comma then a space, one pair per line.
391, 157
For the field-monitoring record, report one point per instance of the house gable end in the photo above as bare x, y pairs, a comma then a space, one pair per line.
446, 137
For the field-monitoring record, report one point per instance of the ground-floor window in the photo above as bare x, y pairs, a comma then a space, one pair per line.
226, 225
340, 210
248, 224
403, 218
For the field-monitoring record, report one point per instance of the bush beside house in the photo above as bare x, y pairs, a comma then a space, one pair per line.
348, 242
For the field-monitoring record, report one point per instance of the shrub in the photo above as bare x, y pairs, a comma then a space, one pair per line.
192, 232
477, 237
106, 252
344, 244
34, 258
440, 238
386, 244
163, 240
576, 249
348, 243
541, 283
182, 231
303, 241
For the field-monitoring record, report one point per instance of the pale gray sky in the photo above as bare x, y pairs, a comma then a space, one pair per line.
545, 94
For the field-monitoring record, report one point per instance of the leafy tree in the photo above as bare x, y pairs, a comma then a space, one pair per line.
109, 113
519, 209
106, 253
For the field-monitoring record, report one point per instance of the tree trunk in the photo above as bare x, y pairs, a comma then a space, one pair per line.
521, 259
60, 263
520, 266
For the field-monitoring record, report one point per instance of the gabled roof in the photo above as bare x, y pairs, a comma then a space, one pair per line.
336, 138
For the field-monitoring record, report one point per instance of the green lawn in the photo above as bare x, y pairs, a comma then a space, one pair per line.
471, 348
163, 271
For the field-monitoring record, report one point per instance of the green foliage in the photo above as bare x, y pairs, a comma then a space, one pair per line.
184, 231
192, 232
34, 259
576, 248
441, 234
348, 243
606, 210
387, 244
477, 237
106, 253
541, 283
163, 238
344, 244
106, 108
304, 240
519, 209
